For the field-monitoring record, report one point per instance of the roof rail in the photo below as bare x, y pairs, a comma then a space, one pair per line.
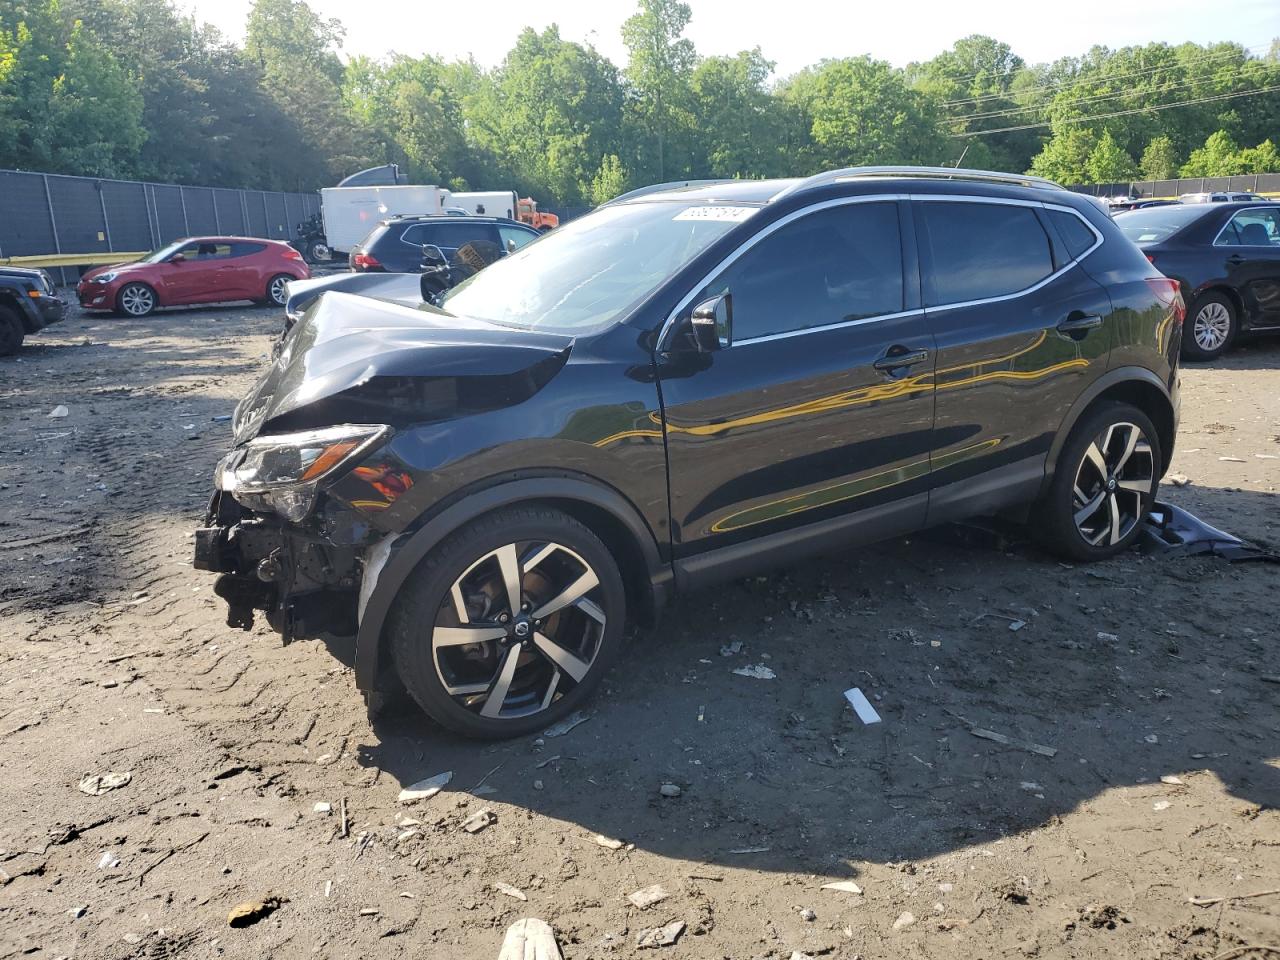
662, 187
923, 173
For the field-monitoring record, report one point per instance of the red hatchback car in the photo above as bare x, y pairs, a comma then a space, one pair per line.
195, 270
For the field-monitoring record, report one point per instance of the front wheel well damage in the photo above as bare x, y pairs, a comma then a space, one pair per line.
1147, 398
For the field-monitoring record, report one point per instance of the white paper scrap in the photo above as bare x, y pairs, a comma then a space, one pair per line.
731, 214
861, 706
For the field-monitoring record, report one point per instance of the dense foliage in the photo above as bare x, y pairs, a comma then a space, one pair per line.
135, 88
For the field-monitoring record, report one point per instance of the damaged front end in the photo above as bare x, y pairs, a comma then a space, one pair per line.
331, 452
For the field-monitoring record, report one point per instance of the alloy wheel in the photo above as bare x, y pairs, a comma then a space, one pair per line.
136, 300
1212, 326
520, 628
278, 290
1113, 481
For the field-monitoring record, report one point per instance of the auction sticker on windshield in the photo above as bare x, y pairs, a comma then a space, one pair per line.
732, 214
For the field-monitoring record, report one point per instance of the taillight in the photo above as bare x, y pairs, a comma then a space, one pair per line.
292, 254
366, 262
1169, 293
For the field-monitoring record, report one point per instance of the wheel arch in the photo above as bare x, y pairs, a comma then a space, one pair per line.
646, 576
1231, 293
1135, 385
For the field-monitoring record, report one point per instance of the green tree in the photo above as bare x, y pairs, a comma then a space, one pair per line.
1108, 162
1264, 158
1065, 158
741, 125
660, 65
1160, 159
861, 111
1219, 157
610, 180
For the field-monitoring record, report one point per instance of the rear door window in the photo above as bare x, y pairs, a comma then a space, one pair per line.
979, 251
1252, 228
450, 236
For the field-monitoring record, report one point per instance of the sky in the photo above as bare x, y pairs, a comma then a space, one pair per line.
793, 34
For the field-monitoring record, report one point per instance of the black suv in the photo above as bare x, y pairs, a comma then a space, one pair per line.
28, 302
396, 245
680, 387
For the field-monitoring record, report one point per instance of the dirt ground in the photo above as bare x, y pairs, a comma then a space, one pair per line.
1153, 679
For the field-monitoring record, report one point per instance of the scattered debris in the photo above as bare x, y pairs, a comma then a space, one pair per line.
1108, 637
328, 888
1210, 901
567, 724
368, 911
479, 820
1016, 625
58, 412
1100, 916
322, 807
905, 919
1010, 741
1015, 890
742, 850
756, 671
659, 936
538, 785
1161, 805
78, 912
109, 861
861, 706
530, 939
509, 890
843, 886
1151, 738
1173, 781
343, 828
407, 834
98, 784
807, 915
251, 911
608, 843
425, 789
731, 649
669, 790
1232, 460
1178, 479
1031, 786
643, 899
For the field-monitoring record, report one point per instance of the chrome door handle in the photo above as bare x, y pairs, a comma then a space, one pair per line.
1077, 323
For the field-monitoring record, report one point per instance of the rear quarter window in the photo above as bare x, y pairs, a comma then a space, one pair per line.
978, 251
1075, 235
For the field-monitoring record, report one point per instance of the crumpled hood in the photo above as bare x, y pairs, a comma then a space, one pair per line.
353, 359
403, 288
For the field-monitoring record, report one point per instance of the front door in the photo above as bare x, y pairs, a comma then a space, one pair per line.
193, 280
1250, 245
1021, 330
803, 418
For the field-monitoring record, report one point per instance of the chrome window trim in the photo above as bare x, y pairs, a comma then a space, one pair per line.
1006, 201
756, 238
1231, 219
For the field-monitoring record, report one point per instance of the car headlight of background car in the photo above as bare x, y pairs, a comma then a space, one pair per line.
281, 473
104, 277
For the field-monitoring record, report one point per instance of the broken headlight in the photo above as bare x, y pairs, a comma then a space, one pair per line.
280, 474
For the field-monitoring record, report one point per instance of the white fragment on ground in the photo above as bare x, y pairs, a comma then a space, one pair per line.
1016, 625
530, 939
1031, 786
425, 789
807, 915
567, 724
58, 412
756, 671
861, 706
478, 821
608, 843
669, 790
109, 861
647, 897
322, 807
660, 936
368, 912
1178, 479
509, 890
1161, 805
843, 886
407, 834
1233, 460
1151, 738
1108, 637
1173, 781
905, 919
98, 784
731, 649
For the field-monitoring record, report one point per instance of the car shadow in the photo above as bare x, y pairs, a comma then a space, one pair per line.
1100, 677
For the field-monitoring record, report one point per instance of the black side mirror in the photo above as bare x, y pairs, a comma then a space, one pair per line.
712, 322
433, 256
178, 258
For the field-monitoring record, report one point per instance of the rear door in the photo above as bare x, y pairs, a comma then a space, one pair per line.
1250, 246
803, 419
1021, 330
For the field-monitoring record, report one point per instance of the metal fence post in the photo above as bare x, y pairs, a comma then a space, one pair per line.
186, 224
148, 204
106, 223
217, 220
53, 222
266, 215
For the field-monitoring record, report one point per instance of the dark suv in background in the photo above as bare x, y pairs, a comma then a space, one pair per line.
28, 302
395, 245
680, 387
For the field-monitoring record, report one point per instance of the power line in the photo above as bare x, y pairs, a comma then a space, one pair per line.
1121, 113
1047, 104
1085, 76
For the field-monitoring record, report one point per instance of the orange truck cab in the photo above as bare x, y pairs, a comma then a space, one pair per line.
527, 212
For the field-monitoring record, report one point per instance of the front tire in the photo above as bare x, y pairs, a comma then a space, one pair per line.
1212, 324
509, 624
136, 300
1104, 485
11, 333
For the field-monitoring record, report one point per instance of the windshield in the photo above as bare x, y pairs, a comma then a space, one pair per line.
1153, 224
593, 270
155, 256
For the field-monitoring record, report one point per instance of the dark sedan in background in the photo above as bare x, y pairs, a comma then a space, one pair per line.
1227, 258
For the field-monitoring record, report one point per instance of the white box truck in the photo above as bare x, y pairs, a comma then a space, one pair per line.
486, 203
350, 213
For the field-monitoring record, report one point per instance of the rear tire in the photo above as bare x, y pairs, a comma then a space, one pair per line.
1104, 485
319, 252
532, 662
11, 333
1211, 326
277, 290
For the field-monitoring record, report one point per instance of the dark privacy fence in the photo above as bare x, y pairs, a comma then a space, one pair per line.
1252, 182
55, 216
